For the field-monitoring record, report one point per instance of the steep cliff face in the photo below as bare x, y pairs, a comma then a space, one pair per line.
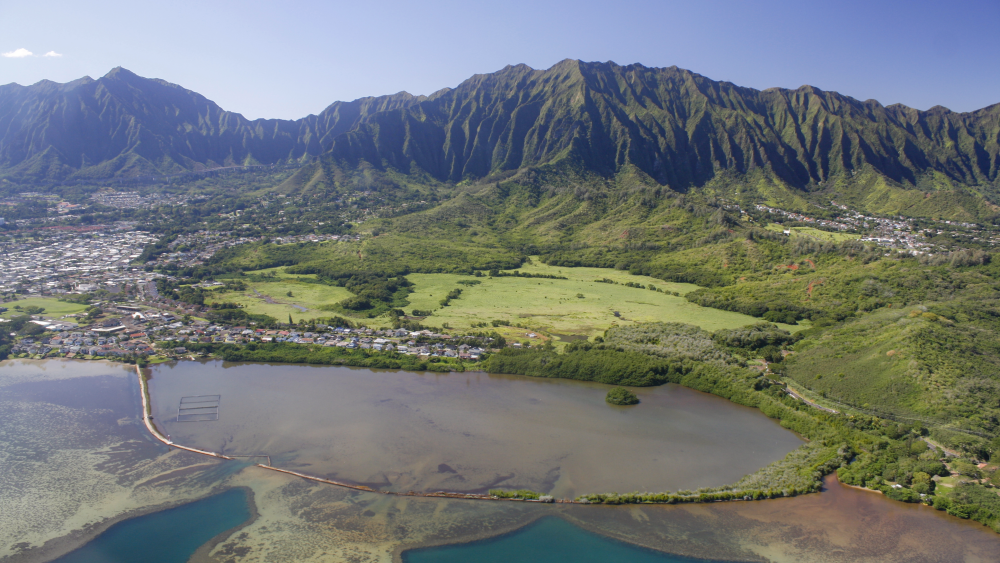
677, 126
123, 124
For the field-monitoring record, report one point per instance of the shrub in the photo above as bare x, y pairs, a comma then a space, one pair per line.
519, 493
621, 396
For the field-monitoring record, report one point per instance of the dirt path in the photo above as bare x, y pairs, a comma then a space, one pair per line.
270, 301
938, 446
795, 395
267, 298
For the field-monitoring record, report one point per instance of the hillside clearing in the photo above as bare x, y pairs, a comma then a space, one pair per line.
309, 296
555, 306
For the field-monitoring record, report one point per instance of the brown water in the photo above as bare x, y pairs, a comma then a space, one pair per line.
468, 432
75, 455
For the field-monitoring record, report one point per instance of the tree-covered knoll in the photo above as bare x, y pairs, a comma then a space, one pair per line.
669, 340
603, 365
938, 363
374, 292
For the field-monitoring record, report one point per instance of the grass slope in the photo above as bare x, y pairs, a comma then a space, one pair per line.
554, 306
312, 297
813, 233
53, 307
910, 363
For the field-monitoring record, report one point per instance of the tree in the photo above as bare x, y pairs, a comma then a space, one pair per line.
922, 483
621, 396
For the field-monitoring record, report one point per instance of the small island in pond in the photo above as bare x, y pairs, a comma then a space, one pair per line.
621, 396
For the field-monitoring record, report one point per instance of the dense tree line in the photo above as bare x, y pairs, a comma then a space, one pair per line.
610, 366
374, 292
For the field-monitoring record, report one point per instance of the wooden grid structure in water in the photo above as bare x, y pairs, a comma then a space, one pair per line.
199, 408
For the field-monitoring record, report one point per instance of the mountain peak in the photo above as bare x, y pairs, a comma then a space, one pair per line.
121, 73
678, 127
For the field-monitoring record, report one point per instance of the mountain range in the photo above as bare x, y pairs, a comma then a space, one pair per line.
677, 127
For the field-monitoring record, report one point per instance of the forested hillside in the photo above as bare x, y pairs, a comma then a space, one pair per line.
678, 129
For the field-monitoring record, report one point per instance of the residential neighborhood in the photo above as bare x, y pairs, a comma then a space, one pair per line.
136, 330
75, 262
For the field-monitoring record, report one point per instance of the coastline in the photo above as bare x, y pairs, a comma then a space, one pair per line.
203, 553
397, 553
866, 489
60, 546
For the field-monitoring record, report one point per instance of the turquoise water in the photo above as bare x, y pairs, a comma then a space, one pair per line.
550, 540
168, 536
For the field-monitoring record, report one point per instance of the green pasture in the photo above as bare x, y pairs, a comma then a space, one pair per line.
534, 266
311, 296
281, 274
814, 233
53, 307
554, 306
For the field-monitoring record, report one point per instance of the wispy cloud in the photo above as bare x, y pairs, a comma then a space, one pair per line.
52, 54
18, 53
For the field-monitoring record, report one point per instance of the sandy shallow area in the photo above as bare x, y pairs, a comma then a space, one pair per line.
76, 460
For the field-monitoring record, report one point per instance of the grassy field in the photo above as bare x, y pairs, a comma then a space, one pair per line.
814, 233
555, 306
904, 362
308, 296
53, 307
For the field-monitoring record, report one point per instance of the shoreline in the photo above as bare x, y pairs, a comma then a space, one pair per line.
397, 553
203, 553
147, 419
160, 437
843, 484
59, 546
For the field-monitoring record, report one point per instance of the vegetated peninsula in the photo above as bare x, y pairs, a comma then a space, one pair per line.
828, 261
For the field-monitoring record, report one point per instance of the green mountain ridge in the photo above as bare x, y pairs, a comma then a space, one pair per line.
678, 127
124, 125
670, 126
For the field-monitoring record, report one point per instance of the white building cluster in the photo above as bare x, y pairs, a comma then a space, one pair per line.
85, 262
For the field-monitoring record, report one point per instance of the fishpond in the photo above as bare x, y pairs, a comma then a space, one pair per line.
464, 432
83, 476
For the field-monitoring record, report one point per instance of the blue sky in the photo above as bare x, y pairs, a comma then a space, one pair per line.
288, 59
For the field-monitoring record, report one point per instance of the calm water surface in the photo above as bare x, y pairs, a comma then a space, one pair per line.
549, 540
74, 454
168, 536
397, 430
